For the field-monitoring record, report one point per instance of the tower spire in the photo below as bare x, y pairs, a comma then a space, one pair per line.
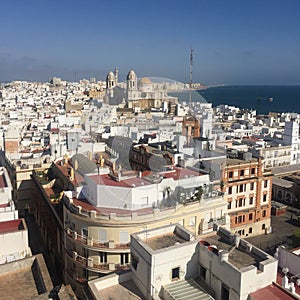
191, 74
191, 67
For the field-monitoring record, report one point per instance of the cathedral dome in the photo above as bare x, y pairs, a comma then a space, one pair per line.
145, 80
110, 75
131, 75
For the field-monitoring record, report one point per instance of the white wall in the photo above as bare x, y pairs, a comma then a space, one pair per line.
240, 281
289, 260
183, 256
14, 245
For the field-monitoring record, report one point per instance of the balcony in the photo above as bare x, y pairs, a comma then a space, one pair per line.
72, 274
89, 264
93, 244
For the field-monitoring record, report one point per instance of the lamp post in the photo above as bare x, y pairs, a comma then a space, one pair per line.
259, 99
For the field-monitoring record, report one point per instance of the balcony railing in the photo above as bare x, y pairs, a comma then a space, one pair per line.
75, 276
90, 242
100, 267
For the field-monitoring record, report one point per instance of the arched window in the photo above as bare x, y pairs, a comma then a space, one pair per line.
279, 195
288, 197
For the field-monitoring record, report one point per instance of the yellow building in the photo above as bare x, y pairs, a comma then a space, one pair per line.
101, 209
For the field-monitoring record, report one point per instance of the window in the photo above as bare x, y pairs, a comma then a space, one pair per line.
229, 205
124, 237
192, 221
86, 274
264, 213
230, 174
252, 186
85, 252
134, 261
175, 273
264, 197
181, 222
265, 183
103, 257
85, 232
240, 219
250, 230
225, 292
102, 236
251, 200
230, 190
252, 171
242, 172
240, 202
124, 258
279, 195
241, 188
263, 227
202, 272
250, 217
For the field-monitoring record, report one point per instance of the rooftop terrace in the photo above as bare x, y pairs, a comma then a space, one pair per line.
237, 256
24, 279
164, 241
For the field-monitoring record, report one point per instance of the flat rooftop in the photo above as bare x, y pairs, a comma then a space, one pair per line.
24, 279
126, 291
237, 257
236, 161
272, 291
147, 178
164, 241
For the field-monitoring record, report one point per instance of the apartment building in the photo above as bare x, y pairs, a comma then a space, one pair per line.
169, 263
100, 209
248, 189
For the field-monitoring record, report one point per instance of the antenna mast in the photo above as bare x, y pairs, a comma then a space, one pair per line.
191, 74
191, 67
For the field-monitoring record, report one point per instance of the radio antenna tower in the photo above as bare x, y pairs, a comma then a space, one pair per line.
191, 74
191, 67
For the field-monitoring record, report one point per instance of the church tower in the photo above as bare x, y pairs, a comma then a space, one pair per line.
116, 73
131, 85
110, 84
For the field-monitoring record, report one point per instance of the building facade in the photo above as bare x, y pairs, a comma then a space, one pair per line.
248, 190
100, 210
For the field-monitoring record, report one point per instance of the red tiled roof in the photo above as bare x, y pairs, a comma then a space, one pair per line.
180, 173
109, 181
279, 280
4, 205
2, 181
176, 174
107, 210
11, 226
272, 291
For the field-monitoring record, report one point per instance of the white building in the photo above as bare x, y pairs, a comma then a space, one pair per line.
168, 263
14, 241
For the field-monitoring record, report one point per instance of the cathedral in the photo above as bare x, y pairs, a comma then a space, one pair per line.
138, 94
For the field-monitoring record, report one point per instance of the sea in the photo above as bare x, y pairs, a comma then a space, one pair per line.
285, 98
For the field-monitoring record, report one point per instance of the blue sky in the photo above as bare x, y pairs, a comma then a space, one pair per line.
234, 42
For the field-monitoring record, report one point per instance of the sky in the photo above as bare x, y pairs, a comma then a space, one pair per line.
235, 42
